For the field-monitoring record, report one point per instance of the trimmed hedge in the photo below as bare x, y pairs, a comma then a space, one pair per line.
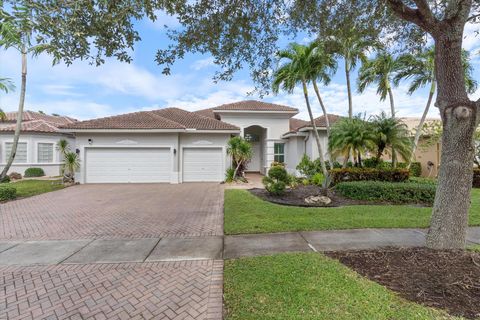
34, 172
388, 191
368, 174
476, 178
7, 193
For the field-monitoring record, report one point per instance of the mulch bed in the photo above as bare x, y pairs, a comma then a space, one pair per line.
449, 280
296, 197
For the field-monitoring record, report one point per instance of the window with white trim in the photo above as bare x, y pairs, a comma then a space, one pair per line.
45, 152
20, 156
279, 152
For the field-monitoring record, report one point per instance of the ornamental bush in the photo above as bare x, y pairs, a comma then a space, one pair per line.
5, 179
368, 174
388, 191
276, 181
34, 172
7, 192
415, 167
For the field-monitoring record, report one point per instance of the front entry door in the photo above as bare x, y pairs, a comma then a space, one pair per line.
256, 162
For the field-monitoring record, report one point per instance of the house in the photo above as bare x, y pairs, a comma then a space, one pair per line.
37, 144
173, 145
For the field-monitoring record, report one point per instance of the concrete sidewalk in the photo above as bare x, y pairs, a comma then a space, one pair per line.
333, 240
51, 252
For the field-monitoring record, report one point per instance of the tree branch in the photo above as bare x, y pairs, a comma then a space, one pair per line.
471, 18
422, 16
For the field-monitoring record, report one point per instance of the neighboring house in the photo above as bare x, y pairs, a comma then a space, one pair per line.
428, 154
37, 144
174, 145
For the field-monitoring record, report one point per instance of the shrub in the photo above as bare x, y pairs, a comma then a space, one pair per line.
362, 174
276, 181
423, 180
388, 191
229, 175
318, 179
415, 167
34, 172
5, 179
292, 181
7, 192
476, 178
309, 168
15, 176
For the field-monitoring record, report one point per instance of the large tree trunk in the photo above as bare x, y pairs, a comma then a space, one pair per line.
418, 134
18, 126
325, 114
317, 136
459, 116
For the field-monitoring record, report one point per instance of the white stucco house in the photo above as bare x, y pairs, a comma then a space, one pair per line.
173, 145
37, 144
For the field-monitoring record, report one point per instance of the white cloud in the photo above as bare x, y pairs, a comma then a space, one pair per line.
471, 38
203, 63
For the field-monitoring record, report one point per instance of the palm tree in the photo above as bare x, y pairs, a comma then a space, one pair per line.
300, 60
420, 68
379, 71
391, 133
241, 152
323, 66
352, 46
63, 146
352, 136
70, 165
6, 85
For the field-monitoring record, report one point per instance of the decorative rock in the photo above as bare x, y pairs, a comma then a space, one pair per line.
318, 200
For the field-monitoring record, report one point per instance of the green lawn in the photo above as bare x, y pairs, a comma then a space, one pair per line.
245, 213
27, 188
310, 286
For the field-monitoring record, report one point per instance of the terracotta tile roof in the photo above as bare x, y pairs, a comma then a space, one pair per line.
193, 120
254, 105
320, 121
32, 126
169, 118
32, 115
206, 113
296, 123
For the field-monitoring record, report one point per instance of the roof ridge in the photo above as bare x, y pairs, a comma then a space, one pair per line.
151, 113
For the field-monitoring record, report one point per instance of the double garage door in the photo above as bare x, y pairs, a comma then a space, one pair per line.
149, 165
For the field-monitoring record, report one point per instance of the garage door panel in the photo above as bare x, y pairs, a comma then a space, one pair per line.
202, 164
128, 165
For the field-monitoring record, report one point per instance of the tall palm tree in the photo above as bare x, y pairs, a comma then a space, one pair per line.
323, 66
6, 85
297, 69
379, 71
420, 69
352, 136
391, 133
352, 46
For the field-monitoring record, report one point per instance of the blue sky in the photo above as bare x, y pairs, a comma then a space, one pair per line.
83, 91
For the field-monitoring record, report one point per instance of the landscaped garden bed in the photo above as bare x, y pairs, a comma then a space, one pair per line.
315, 196
448, 280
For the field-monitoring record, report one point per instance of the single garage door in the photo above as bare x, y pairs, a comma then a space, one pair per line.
128, 165
202, 164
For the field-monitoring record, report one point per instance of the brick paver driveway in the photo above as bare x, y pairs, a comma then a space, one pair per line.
116, 211
144, 290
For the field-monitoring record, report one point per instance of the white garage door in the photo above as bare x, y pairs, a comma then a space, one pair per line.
202, 164
128, 165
